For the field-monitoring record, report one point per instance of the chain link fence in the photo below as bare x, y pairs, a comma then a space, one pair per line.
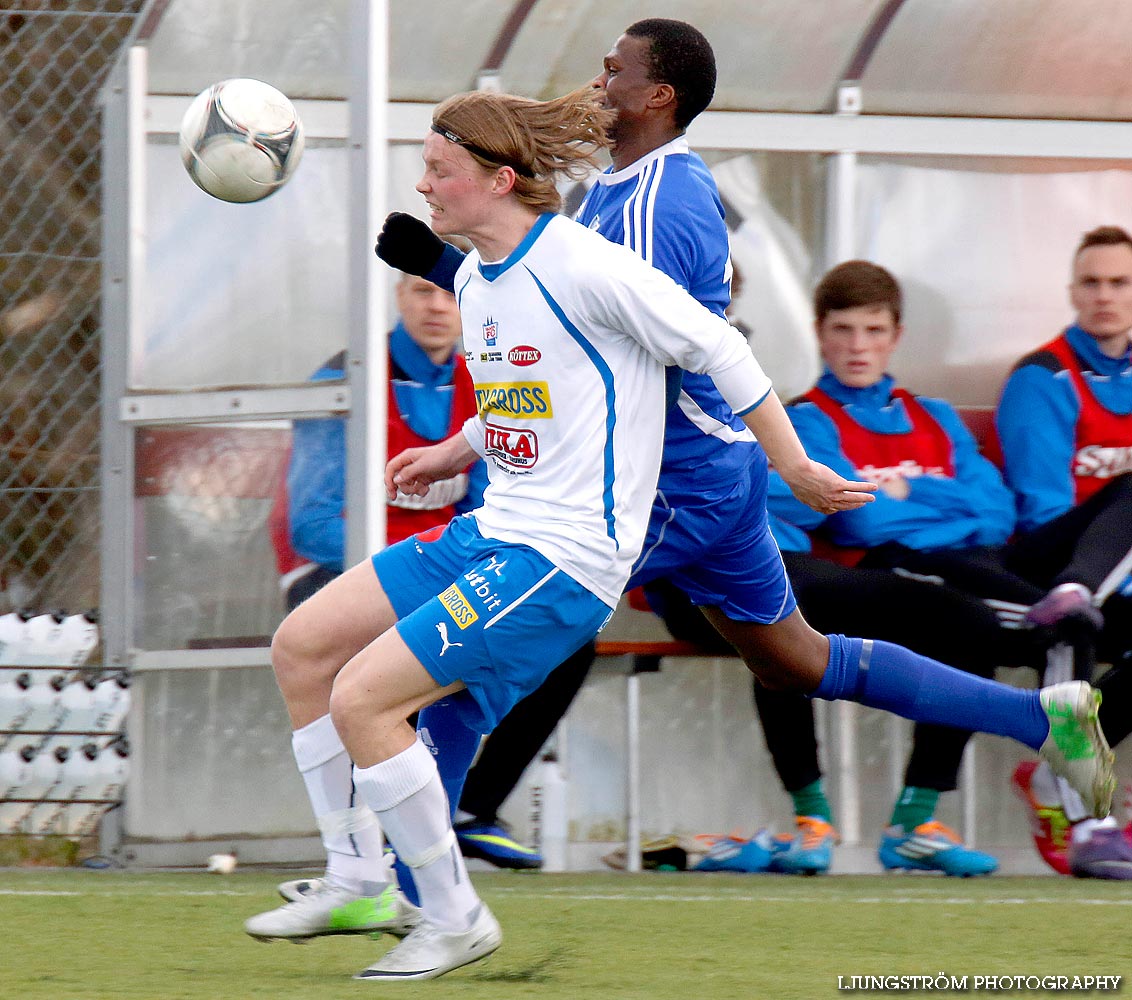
54, 56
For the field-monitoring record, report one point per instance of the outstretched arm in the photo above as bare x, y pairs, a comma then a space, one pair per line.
816, 485
407, 244
414, 470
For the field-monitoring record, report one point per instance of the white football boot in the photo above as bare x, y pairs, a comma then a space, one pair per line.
1076, 748
429, 952
299, 887
329, 909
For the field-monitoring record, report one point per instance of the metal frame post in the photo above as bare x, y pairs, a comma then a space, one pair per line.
367, 365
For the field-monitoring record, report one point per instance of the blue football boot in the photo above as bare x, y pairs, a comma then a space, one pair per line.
932, 847
735, 854
493, 843
808, 852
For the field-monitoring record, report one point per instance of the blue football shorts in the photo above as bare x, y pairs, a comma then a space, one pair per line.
495, 615
716, 546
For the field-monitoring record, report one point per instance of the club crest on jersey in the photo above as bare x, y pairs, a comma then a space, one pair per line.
514, 448
490, 332
595, 223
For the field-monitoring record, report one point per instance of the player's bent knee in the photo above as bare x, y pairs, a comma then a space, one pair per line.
296, 662
355, 707
286, 650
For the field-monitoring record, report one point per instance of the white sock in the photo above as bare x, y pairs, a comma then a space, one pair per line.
1044, 785
1071, 802
406, 793
1083, 830
350, 831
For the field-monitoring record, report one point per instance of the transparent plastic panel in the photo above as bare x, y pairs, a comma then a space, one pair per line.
983, 255
1022, 58
299, 46
206, 575
243, 294
302, 46
211, 753
775, 204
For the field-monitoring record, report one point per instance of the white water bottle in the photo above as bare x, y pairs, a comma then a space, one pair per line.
111, 703
79, 771
107, 784
15, 704
46, 774
78, 712
41, 640
15, 773
46, 700
12, 628
78, 639
550, 820
49, 771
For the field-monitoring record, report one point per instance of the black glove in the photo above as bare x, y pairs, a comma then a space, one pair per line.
408, 245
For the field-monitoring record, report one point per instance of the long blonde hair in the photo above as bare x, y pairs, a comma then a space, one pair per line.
539, 140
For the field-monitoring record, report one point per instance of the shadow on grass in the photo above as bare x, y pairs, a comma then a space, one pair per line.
541, 970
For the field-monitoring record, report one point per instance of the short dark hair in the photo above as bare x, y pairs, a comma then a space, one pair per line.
857, 283
680, 56
1103, 236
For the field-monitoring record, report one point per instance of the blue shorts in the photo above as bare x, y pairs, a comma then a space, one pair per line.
495, 615
716, 546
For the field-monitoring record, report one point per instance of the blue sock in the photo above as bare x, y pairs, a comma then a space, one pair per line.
883, 675
454, 746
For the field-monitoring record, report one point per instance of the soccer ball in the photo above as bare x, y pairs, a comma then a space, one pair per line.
240, 140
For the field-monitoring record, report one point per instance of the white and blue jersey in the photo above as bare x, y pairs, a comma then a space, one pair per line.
566, 341
666, 208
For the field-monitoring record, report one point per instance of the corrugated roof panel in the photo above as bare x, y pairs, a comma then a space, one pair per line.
302, 46
1009, 58
296, 45
775, 55
1018, 58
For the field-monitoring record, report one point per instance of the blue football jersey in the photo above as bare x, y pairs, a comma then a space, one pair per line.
666, 208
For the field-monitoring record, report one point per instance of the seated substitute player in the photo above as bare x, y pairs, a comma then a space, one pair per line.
687, 235
430, 396
1065, 425
481, 610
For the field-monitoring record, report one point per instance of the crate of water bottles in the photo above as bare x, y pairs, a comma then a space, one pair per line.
63, 757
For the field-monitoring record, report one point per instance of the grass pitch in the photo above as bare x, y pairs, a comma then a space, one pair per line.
78, 935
